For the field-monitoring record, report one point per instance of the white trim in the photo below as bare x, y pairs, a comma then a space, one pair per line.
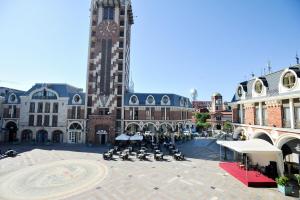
263, 90
150, 104
137, 100
165, 104
281, 88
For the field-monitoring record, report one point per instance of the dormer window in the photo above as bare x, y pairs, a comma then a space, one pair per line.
165, 100
76, 99
150, 100
240, 91
134, 100
12, 98
258, 87
289, 80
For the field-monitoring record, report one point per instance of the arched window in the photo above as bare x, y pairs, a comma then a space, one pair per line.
150, 100
240, 91
44, 94
165, 100
76, 99
134, 100
75, 126
12, 98
289, 80
258, 87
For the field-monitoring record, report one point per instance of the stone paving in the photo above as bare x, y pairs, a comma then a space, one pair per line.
79, 172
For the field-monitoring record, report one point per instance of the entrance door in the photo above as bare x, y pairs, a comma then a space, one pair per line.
75, 137
57, 137
42, 137
103, 139
12, 131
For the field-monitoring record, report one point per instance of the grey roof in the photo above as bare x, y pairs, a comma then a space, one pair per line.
6, 92
270, 81
142, 97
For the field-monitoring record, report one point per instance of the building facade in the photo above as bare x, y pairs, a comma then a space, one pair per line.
268, 108
158, 113
45, 113
108, 68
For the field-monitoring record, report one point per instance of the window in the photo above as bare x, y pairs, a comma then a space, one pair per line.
39, 121
152, 113
286, 117
258, 87
77, 98
133, 100
122, 23
148, 114
264, 116
119, 114
55, 108
31, 120
73, 112
119, 90
162, 113
240, 91
289, 80
165, 100
297, 116
168, 111
150, 100
121, 33
32, 107
46, 120
47, 108
120, 66
108, 13
78, 112
119, 102
131, 114
257, 116
136, 113
54, 120
40, 107
121, 44
12, 98
120, 78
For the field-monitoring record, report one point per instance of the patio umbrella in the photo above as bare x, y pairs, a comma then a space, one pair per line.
136, 137
123, 137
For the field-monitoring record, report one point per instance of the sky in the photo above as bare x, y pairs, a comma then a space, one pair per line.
210, 45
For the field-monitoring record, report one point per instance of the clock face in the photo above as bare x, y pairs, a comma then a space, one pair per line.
108, 29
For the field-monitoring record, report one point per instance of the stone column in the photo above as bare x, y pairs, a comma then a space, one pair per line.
241, 114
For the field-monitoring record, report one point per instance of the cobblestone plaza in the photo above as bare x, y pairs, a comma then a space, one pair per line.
79, 172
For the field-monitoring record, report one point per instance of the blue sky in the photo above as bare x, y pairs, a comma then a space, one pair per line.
211, 45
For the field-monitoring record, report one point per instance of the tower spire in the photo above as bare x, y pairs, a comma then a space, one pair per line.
269, 67
297, 58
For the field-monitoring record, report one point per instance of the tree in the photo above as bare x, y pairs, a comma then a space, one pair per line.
227, 127
201, 120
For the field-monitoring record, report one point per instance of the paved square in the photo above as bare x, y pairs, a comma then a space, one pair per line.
79, 172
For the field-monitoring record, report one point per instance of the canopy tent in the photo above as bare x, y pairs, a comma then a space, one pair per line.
123, 137
136, 137
259, 150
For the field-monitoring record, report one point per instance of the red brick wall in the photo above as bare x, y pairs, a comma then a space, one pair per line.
142, 114
157, 115
275, 116
250, 115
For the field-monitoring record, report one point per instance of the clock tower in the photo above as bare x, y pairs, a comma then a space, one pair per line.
108, 68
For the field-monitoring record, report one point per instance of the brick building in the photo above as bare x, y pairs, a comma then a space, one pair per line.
268, 108
46, 112
219, 111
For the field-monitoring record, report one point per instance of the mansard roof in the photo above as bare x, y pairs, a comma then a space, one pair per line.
142, 97
270, 81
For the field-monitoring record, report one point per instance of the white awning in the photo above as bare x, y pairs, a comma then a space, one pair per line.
122, 137
136, 137
260, 150
250, 146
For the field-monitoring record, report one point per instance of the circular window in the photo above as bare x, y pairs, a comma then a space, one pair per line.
289, 80
258, 87
240, 91
150, 100
165, 100
12, 98
77, 99
133, 99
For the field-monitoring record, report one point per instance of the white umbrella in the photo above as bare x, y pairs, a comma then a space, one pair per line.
122, 137
136, 137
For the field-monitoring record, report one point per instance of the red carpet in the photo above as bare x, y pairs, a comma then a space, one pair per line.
255, 179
